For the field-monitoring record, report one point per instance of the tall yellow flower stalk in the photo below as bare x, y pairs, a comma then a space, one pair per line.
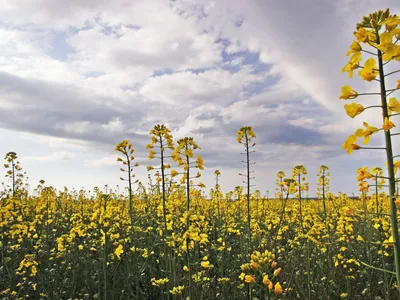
245, 136
125, 148
298, 174
279, 182
377, 37
323, 185
379, 181
217, 197
161, 139
14, 172
183, 155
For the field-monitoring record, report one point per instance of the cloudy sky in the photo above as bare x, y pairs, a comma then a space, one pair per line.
78, 76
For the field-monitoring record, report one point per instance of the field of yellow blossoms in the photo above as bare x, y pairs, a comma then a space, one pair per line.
170, 241
56, 247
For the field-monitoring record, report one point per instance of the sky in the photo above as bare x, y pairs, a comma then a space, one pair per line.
77, 77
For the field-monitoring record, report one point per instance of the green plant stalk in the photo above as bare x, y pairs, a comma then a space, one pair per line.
130, 190
300, 203
188, 223
376, 194
105, 273
392, 180
280, 220
128, 160
248, 194
218, 204
105, 263
13, 177
163, 186
248, 208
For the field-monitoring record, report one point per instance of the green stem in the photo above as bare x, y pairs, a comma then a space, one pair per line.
188, 223
392, 73
376, 268
163, 187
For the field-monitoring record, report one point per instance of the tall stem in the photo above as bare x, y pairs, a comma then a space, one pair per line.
188, 223
249, 296
300, 207
13, 177
128, 160
248, 194
323, 192
105, 255
163, 186
130, 190
376, 194
391, 175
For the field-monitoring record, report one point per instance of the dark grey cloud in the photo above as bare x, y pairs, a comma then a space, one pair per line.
289, 134
60, 110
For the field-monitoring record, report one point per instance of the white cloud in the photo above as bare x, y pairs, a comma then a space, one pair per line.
109, 160
55, 156
214, 85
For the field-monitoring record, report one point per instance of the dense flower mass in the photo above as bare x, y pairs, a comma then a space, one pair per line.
84, 245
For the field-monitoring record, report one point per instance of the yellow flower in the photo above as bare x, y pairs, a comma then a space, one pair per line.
393, 104
389, 241
361, 35
278, 289
33, 271
119, 251
241, 276
370, 70
185, 268
348, 93
199, 162
387, 125
353, 109
392, 52
349, 145
366, 133
266, 280
354, 48
363, 186
254, 265
159, 282
177, 290
249, 279
391, 22
205, 264
152, 153
389, 49
396, 165
363, 173
277, 271
244, 134
352, 64
270, 286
